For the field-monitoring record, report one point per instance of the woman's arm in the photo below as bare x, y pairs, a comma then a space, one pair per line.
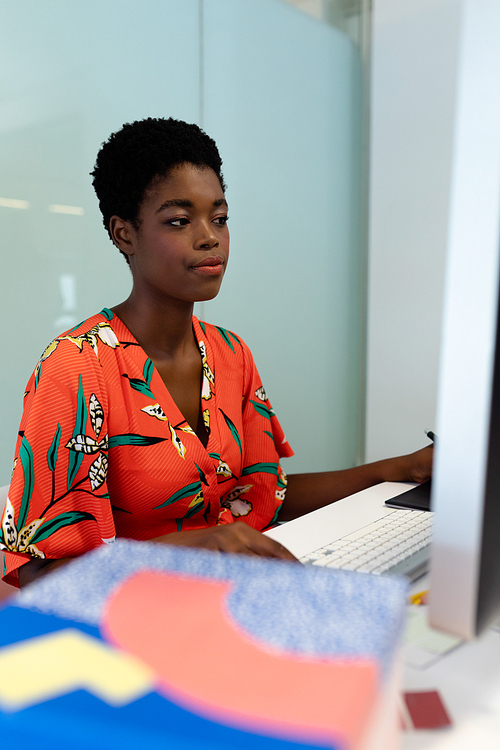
307, 492
36, 568
231, 537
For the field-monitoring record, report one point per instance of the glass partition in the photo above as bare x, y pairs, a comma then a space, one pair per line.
281, 92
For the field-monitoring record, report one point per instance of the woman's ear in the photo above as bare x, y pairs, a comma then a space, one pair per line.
123, 234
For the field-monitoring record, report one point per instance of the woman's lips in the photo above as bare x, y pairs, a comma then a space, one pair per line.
210, 266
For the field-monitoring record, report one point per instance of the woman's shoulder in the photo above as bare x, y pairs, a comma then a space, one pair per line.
85, 341
96, 325
221, 337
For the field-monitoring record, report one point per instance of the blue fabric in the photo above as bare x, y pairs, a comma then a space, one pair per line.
302, 609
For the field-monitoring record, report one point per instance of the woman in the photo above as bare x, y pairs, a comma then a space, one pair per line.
143, 422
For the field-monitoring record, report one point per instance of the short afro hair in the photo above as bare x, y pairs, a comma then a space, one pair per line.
131, 160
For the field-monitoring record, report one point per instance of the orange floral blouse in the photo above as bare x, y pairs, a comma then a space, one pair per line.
104, 451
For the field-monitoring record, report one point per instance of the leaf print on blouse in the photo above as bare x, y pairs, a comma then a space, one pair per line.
281, 484
177, 442
195, 505
45, 355
26, 458
155, 410
190, 489
131, 438
98, 471
52, 455
107, 313
13, 541
223, 470
263, 409
143, 385
20, 536
80, 445
225, 336
203, 478
96, 414
206, 420
86, 444
237, 505
208, 376
261, 394
263, 468
280, 494
76, 456
100, 332
233, 430
187, 429
25, 539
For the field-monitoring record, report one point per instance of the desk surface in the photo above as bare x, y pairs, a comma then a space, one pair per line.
468, 680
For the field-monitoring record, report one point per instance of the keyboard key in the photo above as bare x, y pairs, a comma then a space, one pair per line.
379, 546
322, 562
314, 556
334, 561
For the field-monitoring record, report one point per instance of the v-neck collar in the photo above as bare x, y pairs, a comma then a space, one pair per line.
160, 390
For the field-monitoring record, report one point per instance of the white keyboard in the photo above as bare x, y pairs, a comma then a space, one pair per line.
398, 543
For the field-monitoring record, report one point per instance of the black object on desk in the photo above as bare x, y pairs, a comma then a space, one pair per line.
417, 498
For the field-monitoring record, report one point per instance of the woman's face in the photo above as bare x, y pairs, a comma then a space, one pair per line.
181, 248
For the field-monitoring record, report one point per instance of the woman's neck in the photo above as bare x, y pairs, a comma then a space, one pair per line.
163, 330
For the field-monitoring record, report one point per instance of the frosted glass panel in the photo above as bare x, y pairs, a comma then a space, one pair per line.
283, 100
281, 94
77, 71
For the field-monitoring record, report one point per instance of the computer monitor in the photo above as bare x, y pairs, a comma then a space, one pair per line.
465, 566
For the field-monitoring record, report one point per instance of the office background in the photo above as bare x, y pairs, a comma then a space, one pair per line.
279, 85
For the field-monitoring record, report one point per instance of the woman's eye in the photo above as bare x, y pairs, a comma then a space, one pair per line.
221, 221
178, 222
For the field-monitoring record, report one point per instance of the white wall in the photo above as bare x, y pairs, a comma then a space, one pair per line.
414, 52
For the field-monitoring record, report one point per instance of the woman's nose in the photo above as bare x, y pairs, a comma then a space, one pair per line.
206, 237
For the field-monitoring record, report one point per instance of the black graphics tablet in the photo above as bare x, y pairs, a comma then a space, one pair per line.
418, 498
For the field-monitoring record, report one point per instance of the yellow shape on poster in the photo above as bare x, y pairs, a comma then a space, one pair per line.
48, 666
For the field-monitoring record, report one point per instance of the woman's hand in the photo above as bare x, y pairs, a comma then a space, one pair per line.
35, 568
231, 537
414, 467
307, 492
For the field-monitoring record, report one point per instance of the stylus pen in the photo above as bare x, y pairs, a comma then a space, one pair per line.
431, 435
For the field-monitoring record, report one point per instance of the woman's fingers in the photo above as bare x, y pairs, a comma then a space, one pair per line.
232, 537
259, 544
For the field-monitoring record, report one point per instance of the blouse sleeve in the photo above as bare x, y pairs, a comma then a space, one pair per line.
58, 504
261, 488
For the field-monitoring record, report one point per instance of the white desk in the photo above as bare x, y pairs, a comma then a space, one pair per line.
468, 681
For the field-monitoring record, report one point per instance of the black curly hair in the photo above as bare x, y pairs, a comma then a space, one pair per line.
132, 158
